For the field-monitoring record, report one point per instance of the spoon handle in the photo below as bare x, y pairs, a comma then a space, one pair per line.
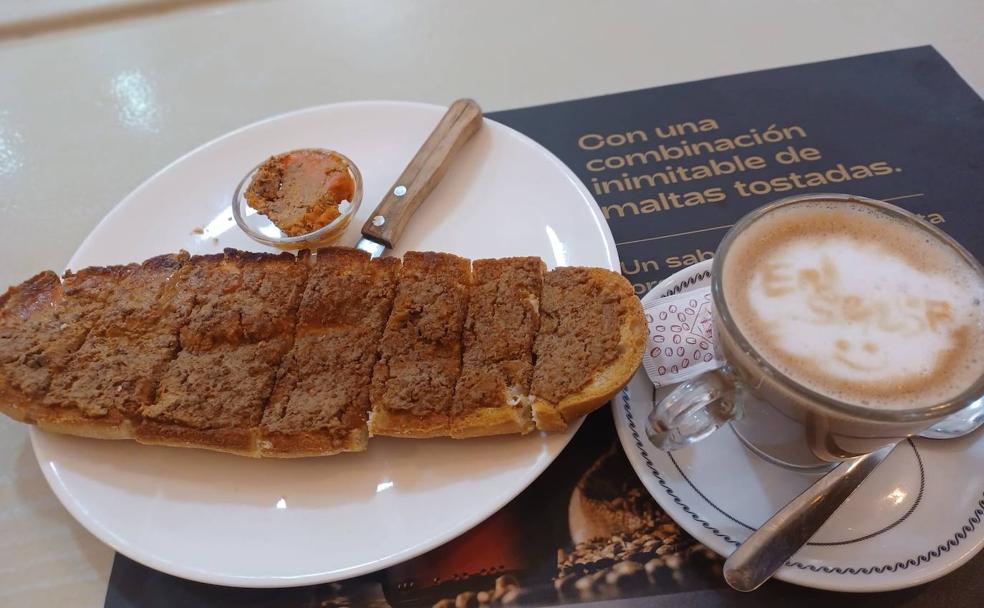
769, 547
387, 221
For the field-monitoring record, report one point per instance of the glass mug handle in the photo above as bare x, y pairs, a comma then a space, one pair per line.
694, 410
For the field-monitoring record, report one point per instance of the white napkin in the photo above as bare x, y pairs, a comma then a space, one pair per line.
681, 337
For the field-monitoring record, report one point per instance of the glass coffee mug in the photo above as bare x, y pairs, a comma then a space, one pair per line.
794, 421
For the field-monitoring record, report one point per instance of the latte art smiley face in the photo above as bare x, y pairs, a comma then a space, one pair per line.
859, 326
865, 309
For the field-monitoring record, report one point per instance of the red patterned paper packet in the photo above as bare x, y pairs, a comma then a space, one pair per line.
681, 337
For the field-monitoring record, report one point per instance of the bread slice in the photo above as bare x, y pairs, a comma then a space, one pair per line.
241, 297
320, 404
240, 326
420, 352
591, 339
89, 346
214, 399
44, 321
492, 393
33, 340
135, 336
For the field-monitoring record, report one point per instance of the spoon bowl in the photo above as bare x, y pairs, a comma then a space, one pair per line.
958, 424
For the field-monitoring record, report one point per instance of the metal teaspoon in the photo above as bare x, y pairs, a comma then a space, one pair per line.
769, 547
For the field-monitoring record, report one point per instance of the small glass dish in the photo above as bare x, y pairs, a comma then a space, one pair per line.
261, 229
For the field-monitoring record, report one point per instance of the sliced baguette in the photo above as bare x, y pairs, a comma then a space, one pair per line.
236, 318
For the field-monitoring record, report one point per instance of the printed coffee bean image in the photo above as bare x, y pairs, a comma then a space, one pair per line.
623, 543
506, 591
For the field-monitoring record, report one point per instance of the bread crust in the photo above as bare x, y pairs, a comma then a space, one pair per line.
300, 445
404, 424
547, 417
499, 420
240, 441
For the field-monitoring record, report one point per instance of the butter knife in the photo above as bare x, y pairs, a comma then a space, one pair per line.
390, 217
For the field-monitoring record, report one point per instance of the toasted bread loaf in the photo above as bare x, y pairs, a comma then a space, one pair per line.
284, 356
591, 339
492, 393
420, 352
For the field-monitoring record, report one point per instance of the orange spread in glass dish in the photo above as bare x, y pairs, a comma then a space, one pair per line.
300, 191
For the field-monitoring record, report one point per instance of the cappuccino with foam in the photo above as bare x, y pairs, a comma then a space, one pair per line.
857, 305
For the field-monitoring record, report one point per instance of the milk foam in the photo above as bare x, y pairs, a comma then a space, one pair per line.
865, 309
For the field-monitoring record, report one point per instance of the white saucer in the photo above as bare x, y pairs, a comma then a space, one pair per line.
917, 518
235, 521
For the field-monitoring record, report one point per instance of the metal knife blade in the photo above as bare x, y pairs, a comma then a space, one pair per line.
374, 248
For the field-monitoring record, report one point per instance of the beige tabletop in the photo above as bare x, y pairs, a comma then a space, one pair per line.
97, 95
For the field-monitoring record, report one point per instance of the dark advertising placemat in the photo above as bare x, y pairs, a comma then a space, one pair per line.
672, 168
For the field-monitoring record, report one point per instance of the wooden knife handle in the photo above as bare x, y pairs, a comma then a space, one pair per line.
387, 221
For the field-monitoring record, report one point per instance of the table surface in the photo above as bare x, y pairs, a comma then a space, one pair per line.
98, 95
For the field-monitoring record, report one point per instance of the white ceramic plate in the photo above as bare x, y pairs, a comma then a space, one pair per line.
916, 518
236, 521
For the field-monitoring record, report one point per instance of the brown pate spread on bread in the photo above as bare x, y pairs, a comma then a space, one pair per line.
420, 353
240, 326
492, 393
581, 321
281, 355
321, 400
